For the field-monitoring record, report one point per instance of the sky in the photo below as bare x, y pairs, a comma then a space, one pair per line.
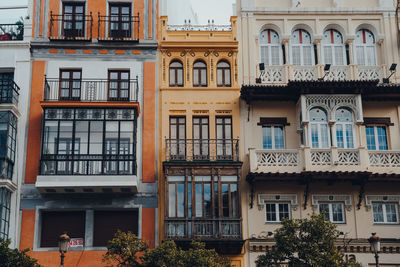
12, 15
219, 10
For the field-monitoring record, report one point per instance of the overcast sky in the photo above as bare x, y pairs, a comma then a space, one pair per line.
218, 10
12, 15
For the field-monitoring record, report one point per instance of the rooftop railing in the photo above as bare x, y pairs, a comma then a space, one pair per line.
209, 27
12, 32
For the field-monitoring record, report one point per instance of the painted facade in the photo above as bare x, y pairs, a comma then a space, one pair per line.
315, 137
199, 162
14, 99
91, 155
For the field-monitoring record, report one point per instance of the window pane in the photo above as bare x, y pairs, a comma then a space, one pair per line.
207, 200
324, 136
349, 136
391, 213
275, 55
189, 196
328, 54
279, 138
234, 200
181, 200
307, 50
199, 200
225, 200
377, 211
339, 136
270, 210
283, 211
324, 208
337, 212
314, 136
296, 60
382, 141
339, 55
171, 200
369, 131
267, 137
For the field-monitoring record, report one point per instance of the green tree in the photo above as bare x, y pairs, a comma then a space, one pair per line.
305, 243
14, 257
122, 250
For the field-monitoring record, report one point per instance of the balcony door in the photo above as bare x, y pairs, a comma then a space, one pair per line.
177, 133
74, 19
6, 89
224, 138
200, 138
118, 85
120, 20
70, 84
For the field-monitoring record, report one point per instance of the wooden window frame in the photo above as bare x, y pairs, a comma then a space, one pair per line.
201, 139
120, 21
175, 73
73, 20
223, 69
197, 71
118, 89
70, 82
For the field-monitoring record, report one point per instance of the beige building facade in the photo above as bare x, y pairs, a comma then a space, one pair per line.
320, 121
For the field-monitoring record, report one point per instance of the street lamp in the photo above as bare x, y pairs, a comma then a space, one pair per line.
63, 242
375, 247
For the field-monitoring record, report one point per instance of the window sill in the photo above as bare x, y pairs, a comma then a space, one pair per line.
386, 224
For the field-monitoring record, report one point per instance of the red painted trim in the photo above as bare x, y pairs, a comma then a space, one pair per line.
364, 38
300, 36
269, 36
332, 37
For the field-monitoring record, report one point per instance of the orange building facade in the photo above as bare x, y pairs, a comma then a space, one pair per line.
91, 154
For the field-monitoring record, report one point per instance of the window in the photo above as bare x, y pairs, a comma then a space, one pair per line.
120, 20
177, 134
6, 87
175, 73
118, 85
106, 223
344, 128
365, 50
89, 141
223, 74
70, 81
301, 48
385, 212
201, 138
270, 52
334, 212
199, 74
276, 211
376, 137
5, 203
319, 130
224, 138
204, 198
333, 49
74, 19
55, 223
273, 137
8, 135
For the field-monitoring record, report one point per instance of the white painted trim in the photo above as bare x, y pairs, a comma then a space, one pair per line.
263, 198
346, 199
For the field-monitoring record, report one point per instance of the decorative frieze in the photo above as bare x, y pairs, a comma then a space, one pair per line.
264, 198
346, 199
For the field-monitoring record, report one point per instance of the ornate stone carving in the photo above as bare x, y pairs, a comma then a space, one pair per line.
263, 198
316, 199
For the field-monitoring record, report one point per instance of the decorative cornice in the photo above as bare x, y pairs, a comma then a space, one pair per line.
263, 198
380, 198
316, 199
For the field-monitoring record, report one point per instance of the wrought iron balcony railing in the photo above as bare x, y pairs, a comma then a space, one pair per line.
221, 228
202, 150
6, 168
9, 91
69, 27
118, 28
88, 165
91, 90
12, 32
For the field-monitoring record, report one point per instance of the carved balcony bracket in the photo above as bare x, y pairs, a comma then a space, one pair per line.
316, 199
264, 198
380, 198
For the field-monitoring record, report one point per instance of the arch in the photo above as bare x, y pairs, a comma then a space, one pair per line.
224, 73
176, 77
271, 26
337, 27
351, 108
199, 73
367, 26
303, 26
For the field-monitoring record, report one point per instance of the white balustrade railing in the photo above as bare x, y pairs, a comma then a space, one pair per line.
338, 73
273, 74
304, 73
284, 157
321, 156
367, 73
384, 158
348, 156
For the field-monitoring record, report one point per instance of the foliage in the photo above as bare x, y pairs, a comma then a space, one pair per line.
14, 257
168, 254
122, 249
305, 243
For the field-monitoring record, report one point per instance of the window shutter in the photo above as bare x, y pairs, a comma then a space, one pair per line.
360, 55
275, 55
328, 55
307, 59
371, 57
339, 55
296, 55
264, 55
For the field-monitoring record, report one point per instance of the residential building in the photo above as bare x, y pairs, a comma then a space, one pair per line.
319, 121
91, 155
199, 166
14, 98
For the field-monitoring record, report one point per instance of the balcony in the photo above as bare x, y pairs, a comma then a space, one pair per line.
69, 28
203, 229
118, 28
6, 168
282, 74
91, 90
332, 160
197, 150
9, 92
12, 32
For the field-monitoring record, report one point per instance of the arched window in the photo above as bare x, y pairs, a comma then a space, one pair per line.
175, 73
319, 130
365, 49
199, 74
344, 128
223, 74
270, 52
333, 49
301, 48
